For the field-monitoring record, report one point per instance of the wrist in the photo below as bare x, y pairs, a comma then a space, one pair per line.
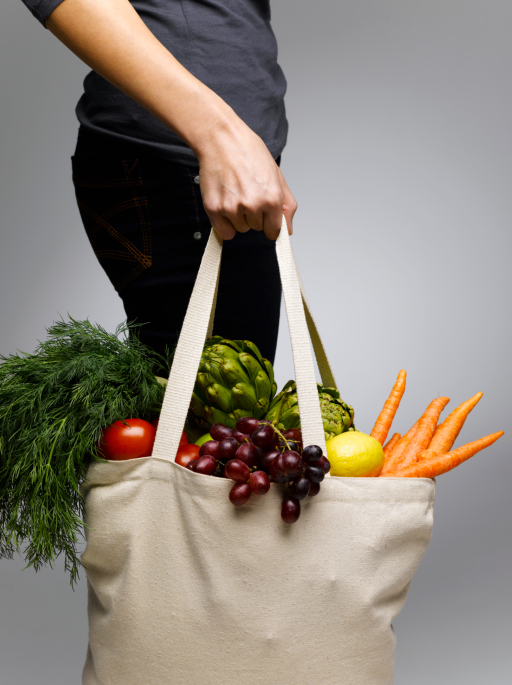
212, 124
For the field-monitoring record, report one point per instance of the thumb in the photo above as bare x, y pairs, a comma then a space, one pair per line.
289, 203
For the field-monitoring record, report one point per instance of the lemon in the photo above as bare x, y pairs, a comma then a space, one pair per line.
355, 454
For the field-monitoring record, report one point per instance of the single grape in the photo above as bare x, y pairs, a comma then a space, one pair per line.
239, 494
324, 463
311, 454
219, 431
275, 471
248, 454
290, 510
191, 464
278, 465
241, 437
314, 489
314, 473
293, 434
300, 487
292, 445
247, 424
227, 449
266, 458
205, 465
259, 482
291, 463
219, 472
263, 436
237, 471
210, 447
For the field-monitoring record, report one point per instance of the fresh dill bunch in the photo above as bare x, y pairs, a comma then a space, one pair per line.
54, 405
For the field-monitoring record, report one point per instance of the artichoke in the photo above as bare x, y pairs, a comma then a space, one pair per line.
337, 416
233, 381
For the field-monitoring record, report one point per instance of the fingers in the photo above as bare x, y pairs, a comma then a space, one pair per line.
230, 219
227, 225
244, 192
268, 219
289, 203
223, 226
254, 219
273, 217
285, 205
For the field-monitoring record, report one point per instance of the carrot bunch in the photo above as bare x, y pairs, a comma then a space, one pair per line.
425, 451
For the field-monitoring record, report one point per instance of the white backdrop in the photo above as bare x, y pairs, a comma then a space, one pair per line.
400, 157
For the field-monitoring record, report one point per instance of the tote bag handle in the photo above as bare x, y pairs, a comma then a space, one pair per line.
198, 323
324, 367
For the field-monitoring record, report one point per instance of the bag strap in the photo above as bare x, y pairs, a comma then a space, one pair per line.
209, 332
197, 324
324, 366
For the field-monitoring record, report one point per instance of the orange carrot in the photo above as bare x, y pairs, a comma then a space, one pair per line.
426, 427
385, 419
391, 443
446, 433
437, 465
422, 458
394, 454
429, 453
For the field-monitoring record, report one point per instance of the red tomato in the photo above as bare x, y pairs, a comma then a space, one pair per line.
186, 454
184, 437
120, 441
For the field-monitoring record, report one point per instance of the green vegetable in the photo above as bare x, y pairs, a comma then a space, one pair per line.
337, 416
54, 405
233, 381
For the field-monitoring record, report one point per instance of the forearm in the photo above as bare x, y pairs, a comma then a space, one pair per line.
110, 37
241, 185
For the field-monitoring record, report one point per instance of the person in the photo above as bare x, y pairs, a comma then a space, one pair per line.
182, 126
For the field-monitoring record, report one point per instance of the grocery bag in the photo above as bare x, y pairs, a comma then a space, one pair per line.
186, 589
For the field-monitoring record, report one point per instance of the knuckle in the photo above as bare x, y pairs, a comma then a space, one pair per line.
248, 204
230, 208
212, 207
274, 201
251, 207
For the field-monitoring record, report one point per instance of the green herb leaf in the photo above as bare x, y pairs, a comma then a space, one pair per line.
54, 406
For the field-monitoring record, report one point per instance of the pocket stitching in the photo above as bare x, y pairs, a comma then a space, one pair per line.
127, 204
142, 258
146, 238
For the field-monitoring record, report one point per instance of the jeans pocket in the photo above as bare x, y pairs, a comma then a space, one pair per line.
114, 210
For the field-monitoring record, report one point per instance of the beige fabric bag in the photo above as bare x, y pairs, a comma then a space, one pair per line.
185, 589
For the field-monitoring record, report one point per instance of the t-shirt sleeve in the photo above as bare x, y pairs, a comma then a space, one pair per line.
41, 9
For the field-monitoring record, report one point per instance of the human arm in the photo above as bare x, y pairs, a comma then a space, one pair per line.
241, 185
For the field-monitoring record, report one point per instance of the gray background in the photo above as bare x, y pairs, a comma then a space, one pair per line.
400, 157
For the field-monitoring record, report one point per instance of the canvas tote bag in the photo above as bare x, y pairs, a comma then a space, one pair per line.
186, 589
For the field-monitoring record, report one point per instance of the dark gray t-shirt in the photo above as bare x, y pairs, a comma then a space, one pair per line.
227, 44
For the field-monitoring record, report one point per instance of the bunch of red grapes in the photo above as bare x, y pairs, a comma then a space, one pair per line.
255, 454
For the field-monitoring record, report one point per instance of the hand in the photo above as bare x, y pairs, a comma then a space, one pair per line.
241, 185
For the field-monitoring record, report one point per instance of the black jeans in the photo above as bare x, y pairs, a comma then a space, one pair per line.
146, 223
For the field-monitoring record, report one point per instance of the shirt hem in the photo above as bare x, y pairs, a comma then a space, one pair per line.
180, 154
